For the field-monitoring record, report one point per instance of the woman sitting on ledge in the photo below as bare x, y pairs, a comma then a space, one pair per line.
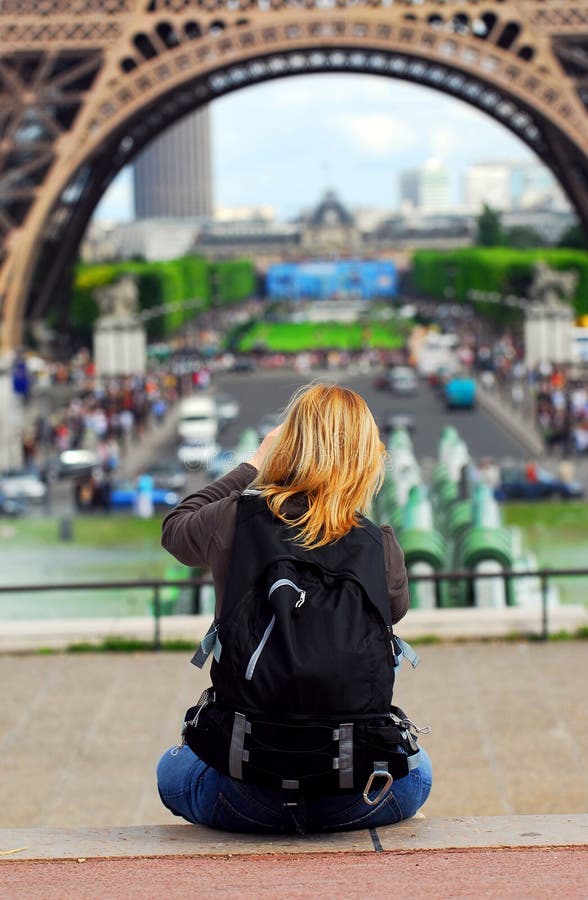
297, 732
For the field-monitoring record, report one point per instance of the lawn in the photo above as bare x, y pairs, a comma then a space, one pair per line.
102, 549
293, 337
556, 534
94, 531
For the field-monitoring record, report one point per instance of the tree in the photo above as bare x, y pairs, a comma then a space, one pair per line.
574, 238
523, 237
489, 228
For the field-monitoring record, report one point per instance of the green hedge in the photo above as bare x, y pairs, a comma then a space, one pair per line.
500, 269
186, 278
232, 281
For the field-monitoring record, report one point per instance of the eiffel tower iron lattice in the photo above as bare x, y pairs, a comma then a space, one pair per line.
86, 84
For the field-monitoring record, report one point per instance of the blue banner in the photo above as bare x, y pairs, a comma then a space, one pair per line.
349, 279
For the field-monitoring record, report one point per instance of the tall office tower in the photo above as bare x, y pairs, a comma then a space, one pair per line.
410, 189
487, 183
426, 189
534, 187
172, 176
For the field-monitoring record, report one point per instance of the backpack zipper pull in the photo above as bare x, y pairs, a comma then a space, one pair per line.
299, 603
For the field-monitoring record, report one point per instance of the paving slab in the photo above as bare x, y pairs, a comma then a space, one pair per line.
26, 844
167, 840
80, 735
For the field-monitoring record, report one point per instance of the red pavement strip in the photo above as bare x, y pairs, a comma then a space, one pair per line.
533, 873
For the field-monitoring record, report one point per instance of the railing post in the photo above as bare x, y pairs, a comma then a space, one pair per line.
157, 617
544, 601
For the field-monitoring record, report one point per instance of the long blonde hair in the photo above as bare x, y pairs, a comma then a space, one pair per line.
329, 451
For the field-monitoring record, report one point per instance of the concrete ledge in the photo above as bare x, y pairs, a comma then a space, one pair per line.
489, 832
21, 635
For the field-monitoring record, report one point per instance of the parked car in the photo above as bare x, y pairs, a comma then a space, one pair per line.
11, 507
71, 463
243, 365
123, 495
460, 393
516, 484
22, 484
194, 455
168, 475
227, 409
399, 380
381, 381
390, 421
197, 420
403, 380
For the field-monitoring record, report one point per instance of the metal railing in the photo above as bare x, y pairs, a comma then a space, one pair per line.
156, 585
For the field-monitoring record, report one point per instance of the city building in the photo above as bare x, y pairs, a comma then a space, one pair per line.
330, 229
244, 214
148, 239
425, 189
526, 185
173, 175
487, 183
534, 187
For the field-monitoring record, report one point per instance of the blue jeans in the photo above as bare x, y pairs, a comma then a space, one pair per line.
193, 790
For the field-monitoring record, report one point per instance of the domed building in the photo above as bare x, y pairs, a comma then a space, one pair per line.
330, 229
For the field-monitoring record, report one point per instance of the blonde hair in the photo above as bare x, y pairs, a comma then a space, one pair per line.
329, 450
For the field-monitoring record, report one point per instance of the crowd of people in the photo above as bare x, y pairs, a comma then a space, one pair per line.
553, 397
562, 410
104, 417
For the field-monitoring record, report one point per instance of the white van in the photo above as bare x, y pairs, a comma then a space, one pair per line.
197, 429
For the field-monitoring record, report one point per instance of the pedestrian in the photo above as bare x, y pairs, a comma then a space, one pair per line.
304, 494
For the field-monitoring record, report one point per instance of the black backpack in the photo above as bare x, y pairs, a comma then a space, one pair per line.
303, 666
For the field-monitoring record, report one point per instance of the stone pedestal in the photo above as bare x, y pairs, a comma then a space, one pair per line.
11, 420
120, 347
549, 318
548, 333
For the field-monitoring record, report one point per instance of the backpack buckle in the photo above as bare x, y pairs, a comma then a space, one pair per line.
380, 771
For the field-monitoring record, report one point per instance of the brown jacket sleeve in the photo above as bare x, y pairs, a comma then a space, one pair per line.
201, 518
395, 574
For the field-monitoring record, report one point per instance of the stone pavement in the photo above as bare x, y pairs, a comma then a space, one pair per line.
80, 735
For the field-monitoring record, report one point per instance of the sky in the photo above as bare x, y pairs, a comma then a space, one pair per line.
284, 142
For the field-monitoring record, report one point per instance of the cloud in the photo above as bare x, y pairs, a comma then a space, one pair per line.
378, 134
443, 141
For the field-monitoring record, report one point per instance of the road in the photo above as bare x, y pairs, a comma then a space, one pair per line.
264, 392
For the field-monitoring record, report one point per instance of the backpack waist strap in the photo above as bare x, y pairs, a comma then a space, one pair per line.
314, 757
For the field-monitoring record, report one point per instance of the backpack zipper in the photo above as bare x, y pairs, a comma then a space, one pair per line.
285, 582
281, 582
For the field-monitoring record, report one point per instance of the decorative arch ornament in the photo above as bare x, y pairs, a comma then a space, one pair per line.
86, 84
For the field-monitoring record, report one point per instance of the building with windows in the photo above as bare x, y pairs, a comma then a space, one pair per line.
526, 185
426, 189
173, 176
489, 184
534, 187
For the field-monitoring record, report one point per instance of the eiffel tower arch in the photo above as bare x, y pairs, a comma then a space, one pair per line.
86, 84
